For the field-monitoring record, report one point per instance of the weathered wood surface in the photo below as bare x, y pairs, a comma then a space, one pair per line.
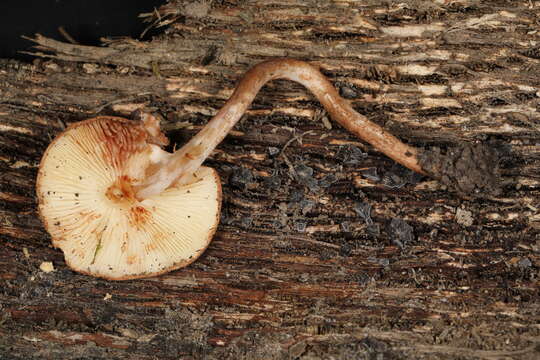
297, 270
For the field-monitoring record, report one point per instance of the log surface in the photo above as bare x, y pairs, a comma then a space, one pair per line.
326, 248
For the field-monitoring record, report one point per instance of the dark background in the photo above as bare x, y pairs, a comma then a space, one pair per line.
85, 21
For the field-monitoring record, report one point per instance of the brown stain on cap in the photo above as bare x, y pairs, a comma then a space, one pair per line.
139, 216
121, 190
121, 139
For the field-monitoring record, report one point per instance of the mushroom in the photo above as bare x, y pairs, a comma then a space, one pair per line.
88, 205
120, 207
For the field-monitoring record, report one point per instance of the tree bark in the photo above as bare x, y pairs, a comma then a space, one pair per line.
325, 247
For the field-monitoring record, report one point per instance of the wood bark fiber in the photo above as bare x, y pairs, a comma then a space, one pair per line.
326, 249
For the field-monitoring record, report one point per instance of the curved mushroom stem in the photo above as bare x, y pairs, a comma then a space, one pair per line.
184, 162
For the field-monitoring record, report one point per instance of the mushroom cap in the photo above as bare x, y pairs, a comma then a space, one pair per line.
87, 203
